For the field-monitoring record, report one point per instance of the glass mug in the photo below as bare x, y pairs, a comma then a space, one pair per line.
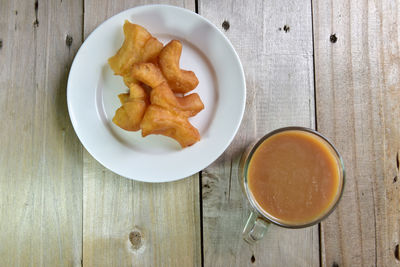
259, 219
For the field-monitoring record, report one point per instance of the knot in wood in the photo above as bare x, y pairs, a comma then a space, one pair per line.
226, 25
333, 38
69, 40
252, 259
286, 28
135, 237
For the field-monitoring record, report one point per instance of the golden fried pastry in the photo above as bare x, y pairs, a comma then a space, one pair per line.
134, 104
151, 50
130, 51
138, 46
180, 81
153, 75
147, 73
162, 94
149, 54
137, 92
158, 120
188, 105
128, 79
191, 102
123, 98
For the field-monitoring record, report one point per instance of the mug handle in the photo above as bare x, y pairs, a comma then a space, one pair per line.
255, 228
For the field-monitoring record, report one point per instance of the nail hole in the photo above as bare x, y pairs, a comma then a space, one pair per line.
286, 28
333, 38
252, 259
226, 25
69, 40
136, 239
279, 29
16, 12
396, 252
335, 264
395, 179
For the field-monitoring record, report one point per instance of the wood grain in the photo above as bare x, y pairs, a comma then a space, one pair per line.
358, 107
274, 42
127, 223
43, 171
40, 156
117, 210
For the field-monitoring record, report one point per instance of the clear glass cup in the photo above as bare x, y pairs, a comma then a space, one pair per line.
259, 220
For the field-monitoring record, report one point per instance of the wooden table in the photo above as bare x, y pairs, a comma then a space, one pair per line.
329, 65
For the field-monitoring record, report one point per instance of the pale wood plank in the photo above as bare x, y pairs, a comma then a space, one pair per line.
280, 92
40, 156
167, 215
358, 104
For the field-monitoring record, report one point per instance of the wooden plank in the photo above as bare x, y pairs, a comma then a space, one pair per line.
129, 223
358, 102
274, 42
40, 156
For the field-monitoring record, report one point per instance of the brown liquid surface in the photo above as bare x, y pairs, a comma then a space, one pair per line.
294, 177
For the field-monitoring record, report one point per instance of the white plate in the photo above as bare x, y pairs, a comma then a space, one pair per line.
92, 96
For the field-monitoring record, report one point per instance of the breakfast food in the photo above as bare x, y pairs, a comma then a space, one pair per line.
158, 120
153, 76
181, 81
188, 106
147, 73
134, 104
139, 46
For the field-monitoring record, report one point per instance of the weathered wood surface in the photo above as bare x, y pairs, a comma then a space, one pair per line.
40, 155
59, 207
274, 41
116, 210
357, 71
